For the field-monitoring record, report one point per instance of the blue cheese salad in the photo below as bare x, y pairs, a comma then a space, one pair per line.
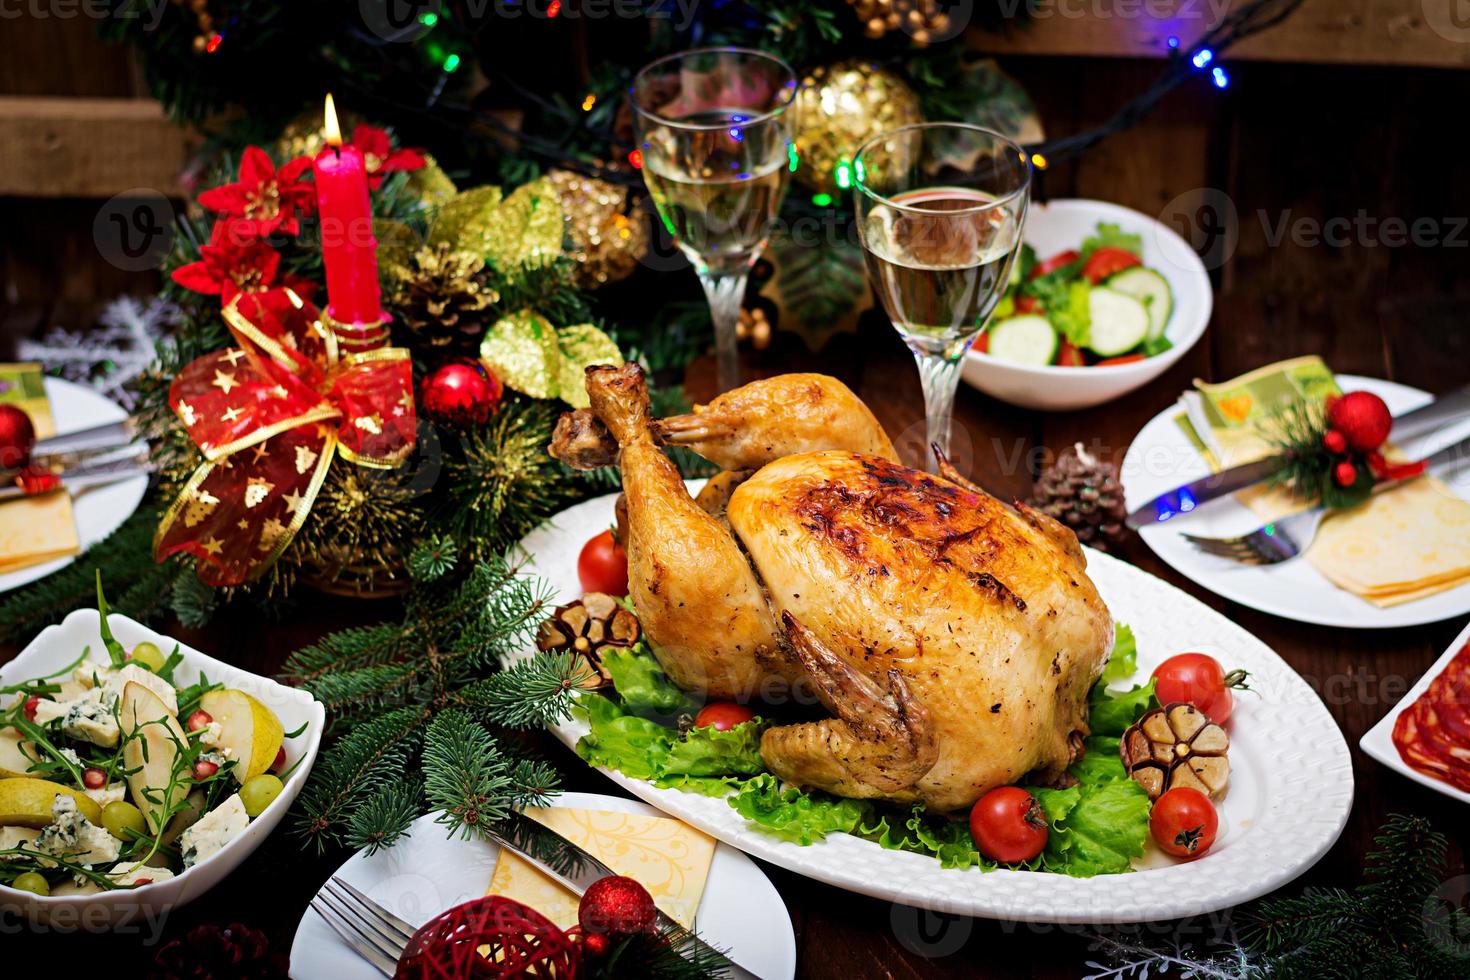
103, 786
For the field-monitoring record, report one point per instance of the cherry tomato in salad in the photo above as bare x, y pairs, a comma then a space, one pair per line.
1008, 825
982, 343
1054, 263
1125, 359
722, 715
603, 565
1028, 304
1069, 355
1107, 262
1198, 679
1184, 822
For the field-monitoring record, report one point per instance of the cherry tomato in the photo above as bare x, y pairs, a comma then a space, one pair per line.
1053, 264
1125, 359
30, 708
93, 778
1070, 356
722, 715
1107, 262
603, 565
1008, 825
1198, 679
1028, 304
1184, 822
198, 719
982, 342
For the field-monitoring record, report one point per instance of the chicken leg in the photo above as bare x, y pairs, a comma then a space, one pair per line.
705, 614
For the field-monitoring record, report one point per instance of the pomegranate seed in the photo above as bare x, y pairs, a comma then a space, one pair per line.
280, 758
31, 703
140, 881
203, 769
93, 778
199, 719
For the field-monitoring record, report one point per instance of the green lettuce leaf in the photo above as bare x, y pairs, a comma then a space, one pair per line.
1110, 235
633, 746
710, 752
1099, 825
947, 840
1110, 713
642, 685
791, 815
1124, 660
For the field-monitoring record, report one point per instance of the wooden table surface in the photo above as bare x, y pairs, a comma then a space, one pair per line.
841, 935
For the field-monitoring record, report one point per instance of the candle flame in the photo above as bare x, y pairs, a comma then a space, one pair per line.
331, 129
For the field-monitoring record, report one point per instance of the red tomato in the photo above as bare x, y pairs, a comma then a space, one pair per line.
1107, 262
1008, 825
603, 565
1028, 304
1184, 822
1069, 356
1198, 679
1125, 359
1053, 264
982, 343
722, 715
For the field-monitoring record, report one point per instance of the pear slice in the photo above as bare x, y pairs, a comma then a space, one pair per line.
146, 720
16, 756
26, 802
249, 732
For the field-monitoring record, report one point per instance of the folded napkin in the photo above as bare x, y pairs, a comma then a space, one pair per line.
1404, 544
33, 529
668, 857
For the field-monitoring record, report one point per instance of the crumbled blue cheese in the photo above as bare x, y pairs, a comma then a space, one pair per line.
112, 687
218, 758
71, 756
13, 837
87, 718
71, 836
139, 874
213, 831
111, 793
210, 734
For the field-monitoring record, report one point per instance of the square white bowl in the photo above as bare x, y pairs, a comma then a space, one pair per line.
58, 646
1378, 740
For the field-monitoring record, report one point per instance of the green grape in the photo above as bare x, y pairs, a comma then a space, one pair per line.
119, 817
260, 792
32, 882
148, 655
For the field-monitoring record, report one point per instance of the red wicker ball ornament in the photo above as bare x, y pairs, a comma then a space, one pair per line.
17, 437
517, 940
1362, 418
618, 906
461, 394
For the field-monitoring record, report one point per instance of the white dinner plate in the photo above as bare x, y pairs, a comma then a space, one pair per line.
1162, 458
428, 873
99, 510
1378, 741
1290, 789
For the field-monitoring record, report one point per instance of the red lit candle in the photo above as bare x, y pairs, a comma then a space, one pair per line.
349, 250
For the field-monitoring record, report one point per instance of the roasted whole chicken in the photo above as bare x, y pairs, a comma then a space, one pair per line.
953, 639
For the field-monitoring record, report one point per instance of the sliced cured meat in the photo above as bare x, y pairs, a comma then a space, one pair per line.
1432, 735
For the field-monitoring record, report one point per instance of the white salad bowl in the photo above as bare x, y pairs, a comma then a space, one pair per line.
57, 647
1060, 225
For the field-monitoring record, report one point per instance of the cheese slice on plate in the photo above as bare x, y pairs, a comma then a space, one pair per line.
668, 857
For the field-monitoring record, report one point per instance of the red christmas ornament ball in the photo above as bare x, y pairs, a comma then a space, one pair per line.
1345, 473
1362, 418
519, 942
1335, 442
462, 394
596, 945
17, 437
618, 906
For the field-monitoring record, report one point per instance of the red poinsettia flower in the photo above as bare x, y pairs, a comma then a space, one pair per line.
380, 157
230, 264
264, 199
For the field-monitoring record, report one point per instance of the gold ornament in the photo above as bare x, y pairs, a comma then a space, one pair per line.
920, 19
607, 241
840, 107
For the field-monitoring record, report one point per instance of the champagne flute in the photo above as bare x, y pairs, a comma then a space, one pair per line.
939, 211
715, 131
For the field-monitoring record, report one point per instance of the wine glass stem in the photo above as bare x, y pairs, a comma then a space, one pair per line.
725, 292
939, 376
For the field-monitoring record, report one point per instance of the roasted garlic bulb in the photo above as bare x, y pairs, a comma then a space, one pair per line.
590, 626
1177, 745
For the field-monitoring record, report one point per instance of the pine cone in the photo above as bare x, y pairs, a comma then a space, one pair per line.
1083, 493
444, 298
210, 952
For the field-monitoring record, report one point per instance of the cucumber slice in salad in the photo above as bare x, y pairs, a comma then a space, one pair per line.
1152, 290
1024, 340
1119, 322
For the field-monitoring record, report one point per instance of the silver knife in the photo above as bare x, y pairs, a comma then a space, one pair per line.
92, 474
575, 868
1450, 407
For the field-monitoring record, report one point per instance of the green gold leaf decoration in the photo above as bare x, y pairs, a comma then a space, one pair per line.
465, 220
531, 356
582, 345
526, 229
431, 183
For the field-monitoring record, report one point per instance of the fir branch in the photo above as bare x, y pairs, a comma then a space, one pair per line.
434, 558
385, 817
374, 754
466, 776
532, 693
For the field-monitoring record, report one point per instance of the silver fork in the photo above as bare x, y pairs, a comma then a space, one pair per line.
1287, 538
376, 934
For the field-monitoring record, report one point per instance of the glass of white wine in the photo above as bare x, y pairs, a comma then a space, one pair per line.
715, 132
939, 212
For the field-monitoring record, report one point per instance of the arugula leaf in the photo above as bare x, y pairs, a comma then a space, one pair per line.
115, 650
1110, 235
1155, 346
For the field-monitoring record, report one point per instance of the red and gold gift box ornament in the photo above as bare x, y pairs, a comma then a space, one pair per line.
270, 415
